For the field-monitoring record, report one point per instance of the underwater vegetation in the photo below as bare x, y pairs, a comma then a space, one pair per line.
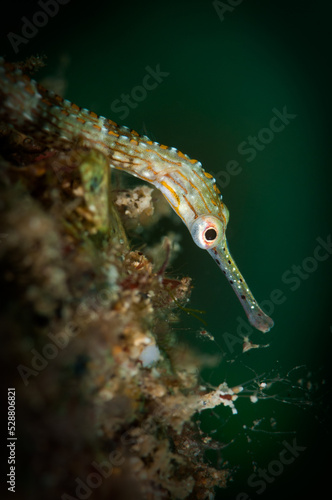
106, 390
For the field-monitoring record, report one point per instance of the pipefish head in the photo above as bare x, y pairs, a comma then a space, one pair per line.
209, 233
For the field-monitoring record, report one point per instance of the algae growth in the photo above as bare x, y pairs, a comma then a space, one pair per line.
106, 390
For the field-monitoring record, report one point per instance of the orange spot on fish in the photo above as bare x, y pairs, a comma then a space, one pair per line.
97, 127
46, 101
74, 106
93, 114
162, 146
80, 119
110, 132
209, 176
182, 155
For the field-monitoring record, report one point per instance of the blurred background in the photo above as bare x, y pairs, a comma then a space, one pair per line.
220, 72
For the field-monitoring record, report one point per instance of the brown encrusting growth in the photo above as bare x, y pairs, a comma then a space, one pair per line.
105, 393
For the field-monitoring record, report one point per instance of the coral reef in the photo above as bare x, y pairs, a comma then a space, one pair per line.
105, 392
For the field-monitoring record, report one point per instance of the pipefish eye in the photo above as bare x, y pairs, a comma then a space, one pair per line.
210, 234
207, 231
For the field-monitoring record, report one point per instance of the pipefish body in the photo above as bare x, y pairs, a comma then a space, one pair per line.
190, 191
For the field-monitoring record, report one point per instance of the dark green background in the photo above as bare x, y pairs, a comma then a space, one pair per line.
225, 77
